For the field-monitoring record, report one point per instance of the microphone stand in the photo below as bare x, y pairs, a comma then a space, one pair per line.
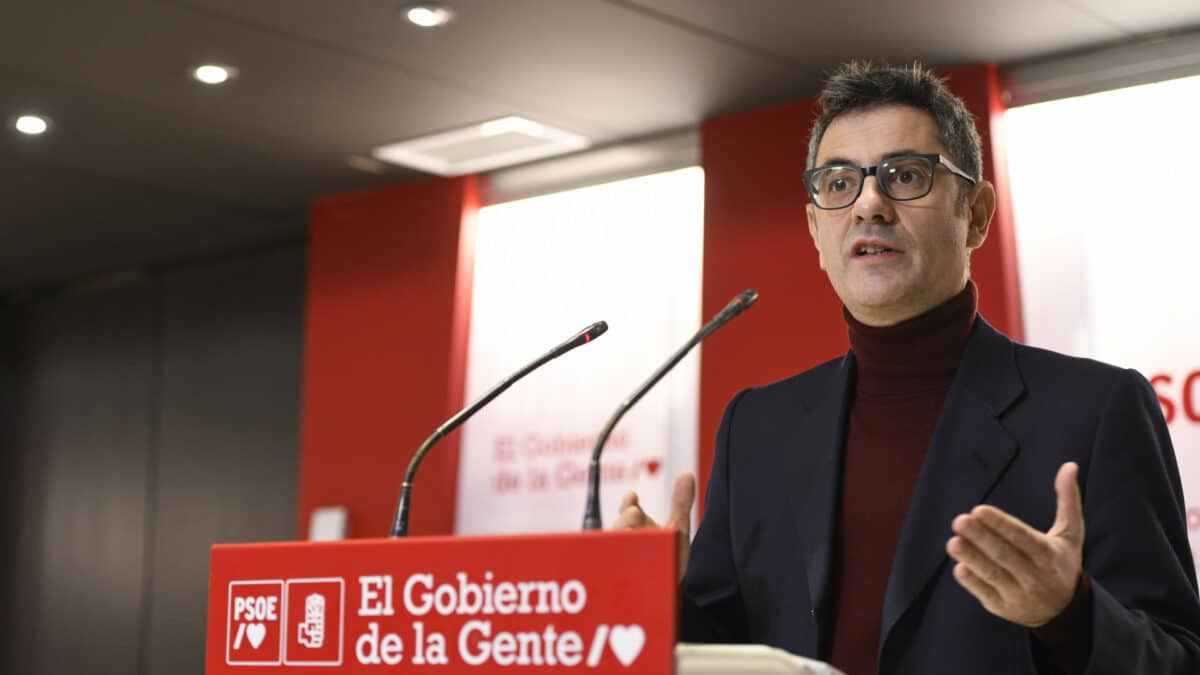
400, 522
591, 515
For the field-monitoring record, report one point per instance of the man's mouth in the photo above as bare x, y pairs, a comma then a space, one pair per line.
872, 249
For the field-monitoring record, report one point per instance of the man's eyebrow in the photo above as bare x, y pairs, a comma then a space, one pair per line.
842, 161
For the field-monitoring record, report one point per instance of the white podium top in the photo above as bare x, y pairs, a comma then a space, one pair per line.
745, 660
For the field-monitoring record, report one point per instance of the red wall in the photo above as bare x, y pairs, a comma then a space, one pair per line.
756, 235
385, 346
389, 293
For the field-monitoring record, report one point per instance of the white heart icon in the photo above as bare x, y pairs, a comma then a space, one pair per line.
627, 642
256, 632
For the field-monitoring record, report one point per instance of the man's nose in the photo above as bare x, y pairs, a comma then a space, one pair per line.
872, 206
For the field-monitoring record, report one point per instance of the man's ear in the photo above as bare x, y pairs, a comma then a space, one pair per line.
811, 211
981, 206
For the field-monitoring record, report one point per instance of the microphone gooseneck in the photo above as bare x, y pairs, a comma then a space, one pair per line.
400, 522
591, 515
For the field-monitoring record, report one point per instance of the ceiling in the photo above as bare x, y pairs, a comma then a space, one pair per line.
143, 164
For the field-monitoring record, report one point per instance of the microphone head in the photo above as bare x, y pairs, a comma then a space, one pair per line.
595, 330
740, 303
582, 337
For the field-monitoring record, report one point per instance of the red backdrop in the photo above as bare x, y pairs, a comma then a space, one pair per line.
389, 290
386, 318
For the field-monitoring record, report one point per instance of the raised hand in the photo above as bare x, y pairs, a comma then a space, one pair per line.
1016, 572
683, 494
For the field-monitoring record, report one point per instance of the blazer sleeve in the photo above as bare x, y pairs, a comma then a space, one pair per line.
712, 609
1146, 615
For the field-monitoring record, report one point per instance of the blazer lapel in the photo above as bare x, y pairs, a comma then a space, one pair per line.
969, 451
816, 503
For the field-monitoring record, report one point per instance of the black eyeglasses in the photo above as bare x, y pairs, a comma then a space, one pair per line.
902, 178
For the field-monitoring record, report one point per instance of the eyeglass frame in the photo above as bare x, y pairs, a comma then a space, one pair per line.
934, 160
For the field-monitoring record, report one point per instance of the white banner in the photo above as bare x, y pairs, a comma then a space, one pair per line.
1107, 243
628, 253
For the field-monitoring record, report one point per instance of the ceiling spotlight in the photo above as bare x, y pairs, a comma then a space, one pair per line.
213, 74
31, 125
429, 16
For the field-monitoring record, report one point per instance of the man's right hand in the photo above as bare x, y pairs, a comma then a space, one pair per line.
630, 515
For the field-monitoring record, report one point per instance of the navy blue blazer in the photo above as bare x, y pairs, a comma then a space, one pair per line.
761, 559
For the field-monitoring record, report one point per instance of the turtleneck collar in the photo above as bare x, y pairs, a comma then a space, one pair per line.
914, 356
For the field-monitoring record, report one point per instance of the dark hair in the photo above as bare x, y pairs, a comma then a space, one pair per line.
861, 85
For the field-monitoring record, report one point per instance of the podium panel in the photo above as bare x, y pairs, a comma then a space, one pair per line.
597, 602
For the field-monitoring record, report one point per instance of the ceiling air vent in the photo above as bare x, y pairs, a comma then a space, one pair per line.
482, 147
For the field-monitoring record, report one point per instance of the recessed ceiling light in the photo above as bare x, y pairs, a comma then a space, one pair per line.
31, 125
211, 73
429, 16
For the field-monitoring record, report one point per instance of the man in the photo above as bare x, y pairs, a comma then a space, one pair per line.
940, 500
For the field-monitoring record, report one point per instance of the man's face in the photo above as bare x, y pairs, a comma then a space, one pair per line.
928, 240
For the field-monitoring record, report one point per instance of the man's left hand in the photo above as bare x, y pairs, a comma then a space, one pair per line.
1016, 572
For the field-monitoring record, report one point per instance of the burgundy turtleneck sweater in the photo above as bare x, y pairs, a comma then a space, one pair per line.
903, 374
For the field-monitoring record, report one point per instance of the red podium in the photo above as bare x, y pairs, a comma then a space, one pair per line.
598, 602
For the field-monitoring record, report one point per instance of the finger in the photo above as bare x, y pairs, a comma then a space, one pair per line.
633, 517
628, 500
683, 495
630, 514
1068, 520
984, 592
1030, 542
999, 550
981, 565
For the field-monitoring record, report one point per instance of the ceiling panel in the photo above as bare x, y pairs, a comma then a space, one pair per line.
585, 65
143, 51
59, 224
937, 32
295, 110
167, 148
1144, 16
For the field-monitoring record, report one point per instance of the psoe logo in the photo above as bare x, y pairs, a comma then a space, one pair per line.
314, 622
254, 625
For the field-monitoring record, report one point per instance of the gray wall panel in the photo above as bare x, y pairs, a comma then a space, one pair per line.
14, 574
139, 425
228, 433
84, 444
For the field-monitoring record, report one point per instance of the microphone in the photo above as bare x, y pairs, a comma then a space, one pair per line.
400, 522
591, 514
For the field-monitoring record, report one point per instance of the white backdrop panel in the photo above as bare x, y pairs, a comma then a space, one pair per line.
1103, 187
629, 253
